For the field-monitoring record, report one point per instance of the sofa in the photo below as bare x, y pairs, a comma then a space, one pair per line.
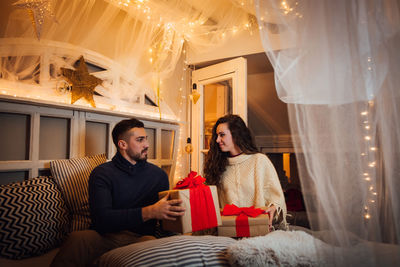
37, 214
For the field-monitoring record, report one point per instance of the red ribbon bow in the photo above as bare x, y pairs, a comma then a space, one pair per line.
202, 208
242, 221
193, 180
247, 211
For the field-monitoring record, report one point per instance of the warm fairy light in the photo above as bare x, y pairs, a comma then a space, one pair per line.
372, 164
365, 117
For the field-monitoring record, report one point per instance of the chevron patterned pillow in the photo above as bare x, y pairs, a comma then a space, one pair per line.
33, 218
72, 177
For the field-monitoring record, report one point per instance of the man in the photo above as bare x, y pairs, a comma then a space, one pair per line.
123, 200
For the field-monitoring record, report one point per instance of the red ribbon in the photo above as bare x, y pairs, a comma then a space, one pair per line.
202, 206
192, 181
242, 220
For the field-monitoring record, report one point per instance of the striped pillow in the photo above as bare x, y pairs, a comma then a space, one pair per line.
72, 176
181, 250
33, 220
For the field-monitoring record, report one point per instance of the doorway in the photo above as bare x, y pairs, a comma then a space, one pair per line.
223, 90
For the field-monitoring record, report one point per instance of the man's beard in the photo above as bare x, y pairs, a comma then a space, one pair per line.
137, 156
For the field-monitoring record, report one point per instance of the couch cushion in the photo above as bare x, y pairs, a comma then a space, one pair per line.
72, 175
33, 218
181, 250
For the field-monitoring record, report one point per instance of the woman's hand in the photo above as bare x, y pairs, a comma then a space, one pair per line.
271, 209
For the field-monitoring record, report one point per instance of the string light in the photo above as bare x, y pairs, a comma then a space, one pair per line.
370, 161
182, 100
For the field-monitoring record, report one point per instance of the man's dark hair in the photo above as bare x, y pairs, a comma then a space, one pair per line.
122, 127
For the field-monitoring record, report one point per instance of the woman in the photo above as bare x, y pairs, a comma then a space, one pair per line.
243, 176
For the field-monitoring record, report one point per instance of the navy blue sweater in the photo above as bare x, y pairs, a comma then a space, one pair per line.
117, 192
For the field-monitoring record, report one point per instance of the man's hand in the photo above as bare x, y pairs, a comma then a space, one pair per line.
164, 209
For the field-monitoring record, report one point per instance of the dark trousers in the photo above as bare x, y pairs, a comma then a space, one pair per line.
82, 248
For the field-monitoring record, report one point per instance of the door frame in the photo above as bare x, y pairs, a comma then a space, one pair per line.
236, 69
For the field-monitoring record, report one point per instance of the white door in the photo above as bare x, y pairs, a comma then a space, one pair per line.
223, 90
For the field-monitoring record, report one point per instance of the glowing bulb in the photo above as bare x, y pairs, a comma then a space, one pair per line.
367, 216
372, 164
373, 148
367, 179
367, 127
365, 173
364, 113
367, 137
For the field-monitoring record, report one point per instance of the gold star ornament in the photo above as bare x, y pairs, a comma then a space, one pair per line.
83, 83
38, 10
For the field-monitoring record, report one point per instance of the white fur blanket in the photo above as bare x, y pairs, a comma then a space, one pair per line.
298, 248
279, 248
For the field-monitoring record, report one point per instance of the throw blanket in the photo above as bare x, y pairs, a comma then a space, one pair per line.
279, 248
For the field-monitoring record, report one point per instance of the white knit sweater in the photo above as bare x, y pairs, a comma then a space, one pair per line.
251, 180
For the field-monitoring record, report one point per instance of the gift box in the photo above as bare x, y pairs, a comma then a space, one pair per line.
201, 204
246, 222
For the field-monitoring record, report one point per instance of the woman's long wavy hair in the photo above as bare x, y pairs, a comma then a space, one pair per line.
216, 160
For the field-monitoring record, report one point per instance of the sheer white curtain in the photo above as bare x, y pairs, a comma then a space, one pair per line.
144, 38
339, 73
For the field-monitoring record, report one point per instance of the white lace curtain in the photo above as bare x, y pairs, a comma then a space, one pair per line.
340, 78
